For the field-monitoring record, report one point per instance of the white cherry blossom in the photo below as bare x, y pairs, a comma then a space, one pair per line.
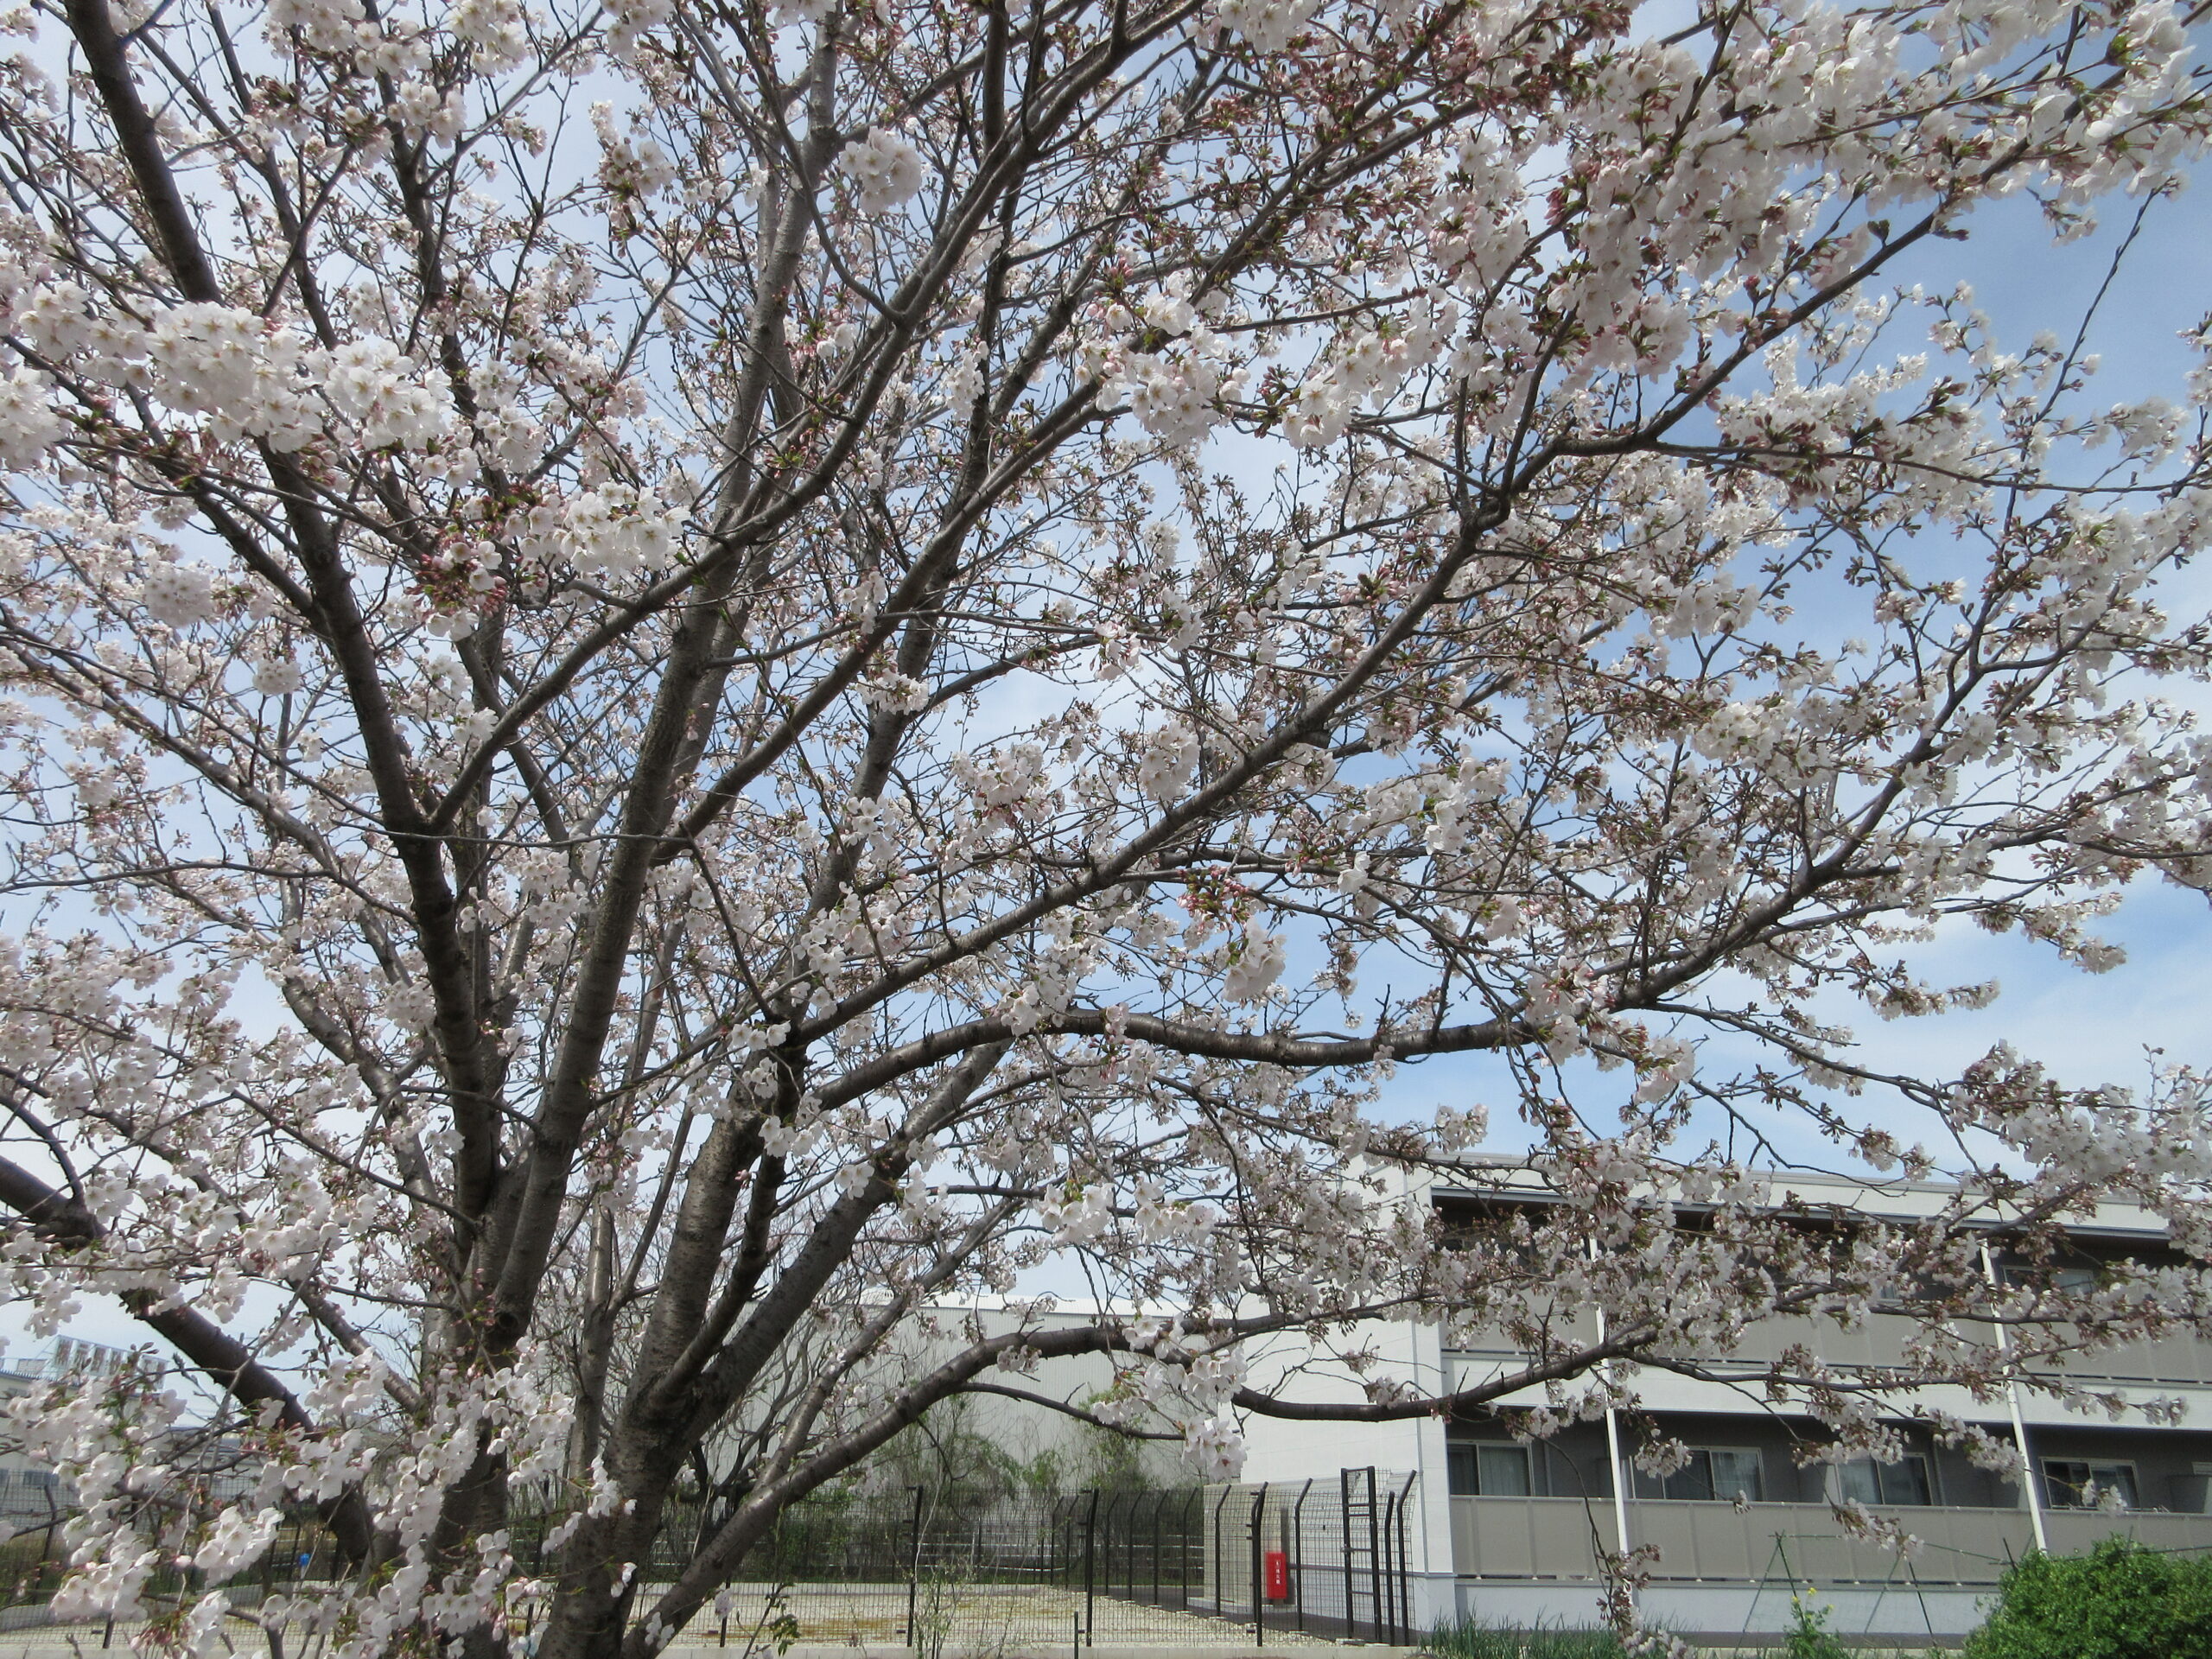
686, 687
886, 170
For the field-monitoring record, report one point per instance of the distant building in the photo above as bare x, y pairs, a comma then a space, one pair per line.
30, 1492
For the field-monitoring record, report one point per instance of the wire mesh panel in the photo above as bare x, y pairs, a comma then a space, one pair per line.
1117, 1568
833, 1571
1319, 1558
1185, 1566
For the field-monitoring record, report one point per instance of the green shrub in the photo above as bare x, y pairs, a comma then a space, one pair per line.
2119, 1601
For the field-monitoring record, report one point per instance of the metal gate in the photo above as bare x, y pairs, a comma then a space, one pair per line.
1326, 1557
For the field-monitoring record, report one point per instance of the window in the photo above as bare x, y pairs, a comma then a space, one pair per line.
1726, 1473
2073, 1277
1904, 1481
1478, 1470
2082, 1484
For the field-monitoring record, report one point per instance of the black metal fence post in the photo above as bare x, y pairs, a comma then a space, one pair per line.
1294, 1552
1374, 1548
913, 1566
1090, 1573
1344, 1537
1259, 1552
1387, 1582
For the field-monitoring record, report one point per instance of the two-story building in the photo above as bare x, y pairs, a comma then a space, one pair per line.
1508, 1532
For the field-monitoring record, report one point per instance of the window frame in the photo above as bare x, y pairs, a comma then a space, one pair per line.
2062, 1493
1468, 1455
1712, 1494
1881, 1481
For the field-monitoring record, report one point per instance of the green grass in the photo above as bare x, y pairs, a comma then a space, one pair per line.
1467, 1640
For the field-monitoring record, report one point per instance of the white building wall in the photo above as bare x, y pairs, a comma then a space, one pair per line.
1292, 1450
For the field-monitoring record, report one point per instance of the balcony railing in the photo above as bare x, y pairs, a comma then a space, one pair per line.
1557, 1538
2183, 1361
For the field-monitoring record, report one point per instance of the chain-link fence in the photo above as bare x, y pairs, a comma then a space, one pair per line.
34, 1553
1240, 1564
1317, 1557
1149, 1568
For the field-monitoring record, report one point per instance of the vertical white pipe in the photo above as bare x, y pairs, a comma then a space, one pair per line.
2030, 1484
1613, 1439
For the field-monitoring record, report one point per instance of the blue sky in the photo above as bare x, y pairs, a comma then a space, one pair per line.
2086, 1029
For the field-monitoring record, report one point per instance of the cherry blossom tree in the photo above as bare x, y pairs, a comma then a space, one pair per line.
686, 682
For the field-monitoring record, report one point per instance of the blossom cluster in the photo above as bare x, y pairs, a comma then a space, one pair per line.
686, 709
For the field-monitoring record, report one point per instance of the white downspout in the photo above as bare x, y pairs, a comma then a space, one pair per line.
2029, 1483
1619, 1481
